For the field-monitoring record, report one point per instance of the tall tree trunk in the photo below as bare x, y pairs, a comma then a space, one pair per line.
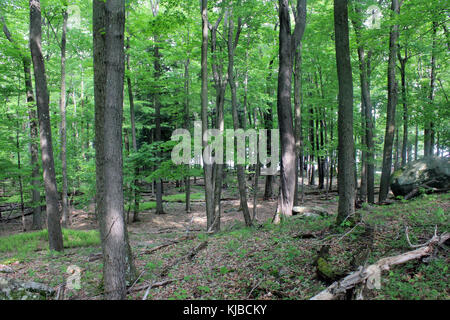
109, 65
207, 167
288, 44
298, 120
19, 168
187, 179
157, 104
405, 144
220, 83
429, 130
48, 165
133, 134
346, 164
62, 108
391, 107
232, 81
268, 124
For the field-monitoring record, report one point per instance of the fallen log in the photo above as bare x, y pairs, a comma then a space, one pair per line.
370, 276
12, 285
6, 269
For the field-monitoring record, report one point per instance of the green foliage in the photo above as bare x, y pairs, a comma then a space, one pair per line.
25, 243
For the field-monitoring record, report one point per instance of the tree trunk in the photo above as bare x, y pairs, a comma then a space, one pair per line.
298, 120
346, 165
232, 81
133, 134
405, 144
288, 44
429, 131
109, 65
48, 165
391, 106
207, 168
187, 179
268, 124
62, 107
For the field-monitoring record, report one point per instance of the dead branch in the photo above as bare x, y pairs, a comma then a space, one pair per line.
156, 285
169, 243
188, 256
371, 274
419, 245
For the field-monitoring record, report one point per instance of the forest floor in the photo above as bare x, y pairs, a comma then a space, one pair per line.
262, 262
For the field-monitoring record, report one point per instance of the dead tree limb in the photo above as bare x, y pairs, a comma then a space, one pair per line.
371, 274
188, 256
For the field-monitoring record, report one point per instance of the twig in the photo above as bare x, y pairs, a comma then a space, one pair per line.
158, 284
420, 245
251, 291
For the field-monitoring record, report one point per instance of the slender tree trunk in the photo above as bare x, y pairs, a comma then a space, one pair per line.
429, 125
220, 83
268, 124
62, 107
207, 167
346, 165
232, 81
109, 65
298, 120
48, 165
187, 179
391, 107
405, 144
133, 134
19, 167
157, 104
416, 144
288, 44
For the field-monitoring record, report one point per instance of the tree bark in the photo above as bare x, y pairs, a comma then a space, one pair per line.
133, 134
346, 164
288, 44
207, 168
232, 81
391, 107
62, 107
405, 143
298, 120
48, 165
109, 65
187, 179
429, 130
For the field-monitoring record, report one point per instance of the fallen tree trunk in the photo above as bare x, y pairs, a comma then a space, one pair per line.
370, 275
13, 285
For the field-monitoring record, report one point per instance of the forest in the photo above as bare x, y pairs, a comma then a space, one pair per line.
224, 150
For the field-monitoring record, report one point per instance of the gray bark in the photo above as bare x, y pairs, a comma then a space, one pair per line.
62, 107
346, 164
48, 165
232, 81
109, 64
288, 44
391, 108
